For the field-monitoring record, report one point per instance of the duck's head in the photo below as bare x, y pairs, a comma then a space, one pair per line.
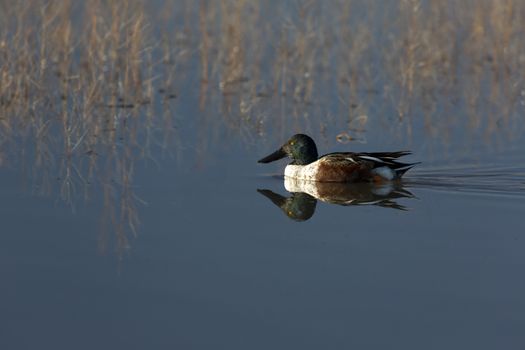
301, 148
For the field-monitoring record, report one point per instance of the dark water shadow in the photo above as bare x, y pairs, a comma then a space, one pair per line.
300, 205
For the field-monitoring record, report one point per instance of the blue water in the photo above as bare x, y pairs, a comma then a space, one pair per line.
216, 264
172, 236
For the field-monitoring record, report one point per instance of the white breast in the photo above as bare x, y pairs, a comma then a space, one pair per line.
304, 172
305, 186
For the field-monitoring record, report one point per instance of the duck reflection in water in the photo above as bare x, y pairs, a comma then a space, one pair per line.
300, 205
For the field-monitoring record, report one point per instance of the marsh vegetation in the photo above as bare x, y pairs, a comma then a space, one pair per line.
88, 89
135, 215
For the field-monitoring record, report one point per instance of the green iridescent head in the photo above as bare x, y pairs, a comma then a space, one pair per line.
301, 148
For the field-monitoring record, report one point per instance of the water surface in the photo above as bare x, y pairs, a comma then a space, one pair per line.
144, 221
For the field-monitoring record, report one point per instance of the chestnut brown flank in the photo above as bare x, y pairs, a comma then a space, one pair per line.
341, 171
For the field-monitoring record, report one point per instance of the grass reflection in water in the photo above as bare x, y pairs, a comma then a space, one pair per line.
88, 89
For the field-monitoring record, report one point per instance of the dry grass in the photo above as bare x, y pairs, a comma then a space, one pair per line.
436, 66
77, 87
87, 88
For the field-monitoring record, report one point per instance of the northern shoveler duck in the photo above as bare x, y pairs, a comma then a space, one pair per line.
338, 167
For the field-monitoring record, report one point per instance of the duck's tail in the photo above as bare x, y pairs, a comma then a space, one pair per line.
401, 170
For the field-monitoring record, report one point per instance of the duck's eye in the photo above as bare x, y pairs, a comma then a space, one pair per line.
292, 143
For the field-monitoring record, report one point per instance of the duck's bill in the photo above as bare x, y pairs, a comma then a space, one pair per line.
280, 153
276, 198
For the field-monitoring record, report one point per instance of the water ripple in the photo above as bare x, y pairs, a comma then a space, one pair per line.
507, 181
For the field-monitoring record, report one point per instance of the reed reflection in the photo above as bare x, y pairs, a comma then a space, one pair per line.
89, 89
301, 204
